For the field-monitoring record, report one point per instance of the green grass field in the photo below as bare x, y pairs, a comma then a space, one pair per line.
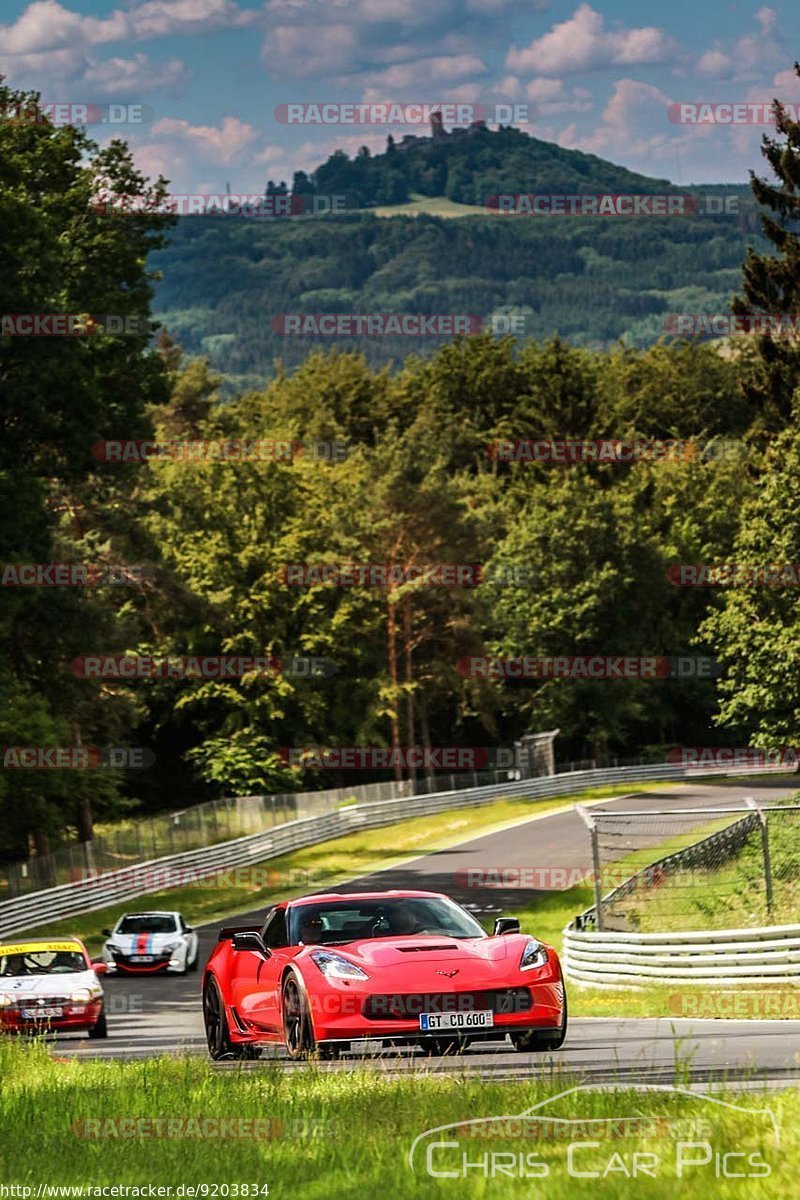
433, 206
322, 1135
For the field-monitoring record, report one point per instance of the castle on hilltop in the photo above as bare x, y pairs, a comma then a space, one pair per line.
438, 130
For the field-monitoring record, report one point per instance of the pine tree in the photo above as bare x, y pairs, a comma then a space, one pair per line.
772, 282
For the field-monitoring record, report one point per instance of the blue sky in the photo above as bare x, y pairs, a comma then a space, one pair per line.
596, 76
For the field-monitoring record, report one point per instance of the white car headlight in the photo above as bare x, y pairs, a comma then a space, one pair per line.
5, 1001
172, 947
534, 955
334, 966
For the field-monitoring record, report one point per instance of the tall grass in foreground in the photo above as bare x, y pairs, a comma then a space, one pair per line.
348, 1133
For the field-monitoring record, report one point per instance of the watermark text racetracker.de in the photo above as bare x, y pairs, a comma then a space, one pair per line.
74, 325
726, 112
76, 758
589, 666
251, 205
611, 204
394, 575
733, 574
395, 324
201, 666
383, 758
425, 114
73, 574
571, 451
228, 450
75, 112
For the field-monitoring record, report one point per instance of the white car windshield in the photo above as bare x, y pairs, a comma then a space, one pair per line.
42, 962
348, 920
147, 924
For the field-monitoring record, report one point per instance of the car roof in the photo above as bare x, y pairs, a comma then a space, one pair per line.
151, 912
22, 940
394, 894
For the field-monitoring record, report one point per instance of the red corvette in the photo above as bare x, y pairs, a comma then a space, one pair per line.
325, 973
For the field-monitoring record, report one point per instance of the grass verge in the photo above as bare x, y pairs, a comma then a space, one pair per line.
321, 1135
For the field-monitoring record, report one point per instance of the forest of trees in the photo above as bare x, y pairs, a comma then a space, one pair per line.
416, 486
591, 280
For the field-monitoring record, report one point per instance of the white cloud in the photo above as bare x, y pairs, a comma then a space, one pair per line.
134, 75
715, 63
767, 19
634, 124
583, 43
48, 25
221, 145
289, 49
429, 74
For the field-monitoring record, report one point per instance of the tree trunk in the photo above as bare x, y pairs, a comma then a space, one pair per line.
395, 723
410, 695
426, 734
84, 819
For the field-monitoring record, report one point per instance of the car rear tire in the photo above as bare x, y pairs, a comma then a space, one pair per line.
100, 1027
218, 1036
532, 1040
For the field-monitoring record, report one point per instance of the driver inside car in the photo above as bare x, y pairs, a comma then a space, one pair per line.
311, 929
404, 920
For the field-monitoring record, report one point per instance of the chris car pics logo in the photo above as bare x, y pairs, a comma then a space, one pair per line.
682, 1135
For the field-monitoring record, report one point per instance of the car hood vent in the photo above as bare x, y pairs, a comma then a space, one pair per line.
424, 949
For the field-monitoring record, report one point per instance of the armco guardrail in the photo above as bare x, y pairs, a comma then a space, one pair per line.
712, 958
88, 895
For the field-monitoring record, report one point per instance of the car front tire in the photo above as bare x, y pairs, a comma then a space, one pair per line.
532, 1040
100, 1027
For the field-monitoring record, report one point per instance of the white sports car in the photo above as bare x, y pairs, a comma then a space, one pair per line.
146, 942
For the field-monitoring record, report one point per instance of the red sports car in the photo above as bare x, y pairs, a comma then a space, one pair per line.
333, 972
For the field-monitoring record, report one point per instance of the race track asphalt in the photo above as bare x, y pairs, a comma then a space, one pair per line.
149, 1016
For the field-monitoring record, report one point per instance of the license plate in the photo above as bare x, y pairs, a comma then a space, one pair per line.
433, 1022
142, 958
33, 1014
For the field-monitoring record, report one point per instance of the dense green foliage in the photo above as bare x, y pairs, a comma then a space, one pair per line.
417, 486
592, 280
468, 166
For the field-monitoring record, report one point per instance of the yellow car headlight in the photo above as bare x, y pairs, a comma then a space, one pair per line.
5, 1001
81, 996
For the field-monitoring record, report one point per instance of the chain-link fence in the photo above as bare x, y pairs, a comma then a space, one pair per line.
146, 838
693, 869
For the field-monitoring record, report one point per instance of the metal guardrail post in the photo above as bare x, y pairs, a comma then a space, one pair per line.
591, 825
762, 820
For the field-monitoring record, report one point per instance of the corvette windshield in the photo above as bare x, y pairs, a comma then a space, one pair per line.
146, 924
41, 962
337, 922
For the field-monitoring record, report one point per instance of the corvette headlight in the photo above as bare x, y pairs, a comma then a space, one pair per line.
333, 966
5, 1001
534, 955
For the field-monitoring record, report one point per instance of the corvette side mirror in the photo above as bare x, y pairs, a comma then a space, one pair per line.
506, 925
250, 941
